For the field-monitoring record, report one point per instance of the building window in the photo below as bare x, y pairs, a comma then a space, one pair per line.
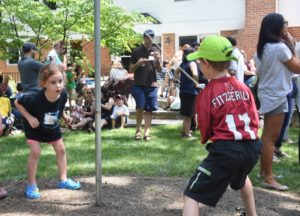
14, 55
187, 40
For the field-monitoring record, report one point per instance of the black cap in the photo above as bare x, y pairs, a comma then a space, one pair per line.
28, 46
149, 33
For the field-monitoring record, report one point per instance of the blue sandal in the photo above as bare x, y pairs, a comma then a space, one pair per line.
69, 184
32, 192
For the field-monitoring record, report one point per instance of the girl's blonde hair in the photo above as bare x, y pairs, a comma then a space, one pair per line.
117, 64
47, 71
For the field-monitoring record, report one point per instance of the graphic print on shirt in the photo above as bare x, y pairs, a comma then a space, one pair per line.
51, 119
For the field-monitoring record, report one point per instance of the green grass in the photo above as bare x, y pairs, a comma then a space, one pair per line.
166, 155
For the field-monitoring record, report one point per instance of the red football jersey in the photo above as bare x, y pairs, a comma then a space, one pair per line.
226, 111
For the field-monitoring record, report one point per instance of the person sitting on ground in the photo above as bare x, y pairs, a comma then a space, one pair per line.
120, 112
15, 111
173, 99
107, 105
5, 110
4, 86
76, 111
117, 71
88, 113
231, 126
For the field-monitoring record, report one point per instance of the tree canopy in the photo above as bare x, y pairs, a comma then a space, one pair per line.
50, 20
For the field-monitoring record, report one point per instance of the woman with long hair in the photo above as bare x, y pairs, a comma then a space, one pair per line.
276, 62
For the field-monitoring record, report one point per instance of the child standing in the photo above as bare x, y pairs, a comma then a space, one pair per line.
120, 111
42, 111
228, 117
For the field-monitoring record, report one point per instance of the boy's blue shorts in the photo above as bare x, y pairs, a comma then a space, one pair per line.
228, 163
145, 98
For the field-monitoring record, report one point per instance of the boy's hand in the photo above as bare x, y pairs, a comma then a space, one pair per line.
33, 122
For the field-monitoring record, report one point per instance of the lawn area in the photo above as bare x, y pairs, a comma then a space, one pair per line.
166, 155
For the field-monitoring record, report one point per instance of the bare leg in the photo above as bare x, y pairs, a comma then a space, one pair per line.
122, 122
271, 131
139, 119
148, 119
82, 123
248, 198
186, 125
190, 207
103, 122
113, 123
33, 160
61, 159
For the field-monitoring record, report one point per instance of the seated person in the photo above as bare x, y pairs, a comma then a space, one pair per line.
117, 71
5, 110
4, 87
120, 112
107, 105
88, 112
15, 111
76, 111
173, 94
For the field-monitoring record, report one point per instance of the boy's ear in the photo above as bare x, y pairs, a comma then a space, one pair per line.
204, 61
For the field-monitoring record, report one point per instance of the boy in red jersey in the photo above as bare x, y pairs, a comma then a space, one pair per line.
227, 116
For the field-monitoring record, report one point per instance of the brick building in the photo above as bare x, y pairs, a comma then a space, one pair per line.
183, 21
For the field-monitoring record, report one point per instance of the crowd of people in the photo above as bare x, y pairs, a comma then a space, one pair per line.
213, 82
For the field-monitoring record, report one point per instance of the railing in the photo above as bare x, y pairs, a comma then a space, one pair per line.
14, 75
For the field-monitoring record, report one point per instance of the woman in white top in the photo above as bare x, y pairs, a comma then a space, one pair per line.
275, 63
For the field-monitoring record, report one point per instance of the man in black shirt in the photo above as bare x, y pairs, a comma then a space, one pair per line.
145, 61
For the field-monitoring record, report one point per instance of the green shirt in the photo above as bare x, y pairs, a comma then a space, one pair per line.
70, 80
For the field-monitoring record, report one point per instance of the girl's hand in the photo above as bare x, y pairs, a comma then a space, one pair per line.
34, 123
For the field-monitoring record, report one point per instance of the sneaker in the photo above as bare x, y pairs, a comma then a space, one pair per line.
69, 184
276, 159
32, 192
240, 211
279, 154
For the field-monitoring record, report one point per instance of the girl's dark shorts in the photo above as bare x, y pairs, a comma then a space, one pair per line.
228, 163
187, 104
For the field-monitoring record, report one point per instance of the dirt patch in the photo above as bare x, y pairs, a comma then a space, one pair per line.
134, 196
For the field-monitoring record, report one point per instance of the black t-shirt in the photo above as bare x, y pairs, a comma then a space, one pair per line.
145, 74
47, 113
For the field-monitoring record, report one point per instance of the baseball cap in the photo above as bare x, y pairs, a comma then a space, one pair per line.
214, 48
28, 46
149, 33
119, 96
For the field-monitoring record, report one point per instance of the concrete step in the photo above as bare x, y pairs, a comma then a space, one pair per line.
132, 122
159, 114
